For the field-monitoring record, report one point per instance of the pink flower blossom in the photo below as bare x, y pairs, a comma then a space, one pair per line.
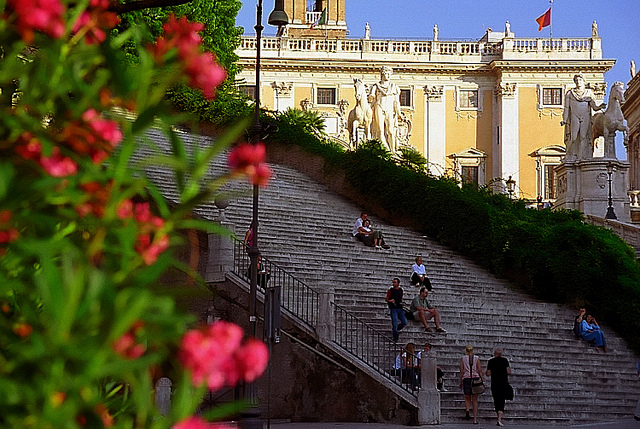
194, 422
38, 15
57, 164
125, 209
214, 355
94, 21
249, 160
252, 357
204, 73
104, 129
246, 154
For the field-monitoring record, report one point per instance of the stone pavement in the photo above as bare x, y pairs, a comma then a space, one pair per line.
629, 423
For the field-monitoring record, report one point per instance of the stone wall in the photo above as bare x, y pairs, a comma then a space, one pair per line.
307, 382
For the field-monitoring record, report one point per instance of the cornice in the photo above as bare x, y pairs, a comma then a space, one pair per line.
323, 66
599, 66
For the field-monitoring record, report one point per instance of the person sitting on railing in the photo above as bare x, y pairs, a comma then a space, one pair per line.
406, 364
366, 234
264, 274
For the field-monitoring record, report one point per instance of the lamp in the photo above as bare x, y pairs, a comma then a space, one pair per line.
278, 17
610, 213
251, 417
511, 185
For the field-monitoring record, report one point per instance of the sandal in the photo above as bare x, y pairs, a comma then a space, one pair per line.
427, 329
441, 330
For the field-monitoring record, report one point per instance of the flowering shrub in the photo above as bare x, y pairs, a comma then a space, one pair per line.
84, 236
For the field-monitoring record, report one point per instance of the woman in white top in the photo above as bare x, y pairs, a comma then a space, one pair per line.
406, 365
470, 369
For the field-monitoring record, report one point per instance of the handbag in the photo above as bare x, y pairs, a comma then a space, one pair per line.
407, 313
477, 384
509, 392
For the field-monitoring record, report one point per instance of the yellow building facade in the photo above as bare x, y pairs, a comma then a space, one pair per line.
482, 110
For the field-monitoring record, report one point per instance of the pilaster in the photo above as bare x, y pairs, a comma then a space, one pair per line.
508, 144
435, 126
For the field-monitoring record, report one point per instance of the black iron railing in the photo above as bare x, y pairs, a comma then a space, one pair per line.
372, 347
295, 296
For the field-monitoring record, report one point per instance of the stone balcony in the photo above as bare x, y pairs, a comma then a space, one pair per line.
507, 48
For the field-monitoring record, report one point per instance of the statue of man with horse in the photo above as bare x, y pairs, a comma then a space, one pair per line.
577, 120
360, 115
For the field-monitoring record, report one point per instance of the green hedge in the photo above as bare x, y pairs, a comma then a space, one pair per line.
554, 256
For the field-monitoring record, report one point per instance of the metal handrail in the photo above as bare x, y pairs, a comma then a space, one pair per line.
295, 296
372, 347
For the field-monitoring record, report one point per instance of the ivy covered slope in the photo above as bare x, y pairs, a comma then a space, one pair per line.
553, 255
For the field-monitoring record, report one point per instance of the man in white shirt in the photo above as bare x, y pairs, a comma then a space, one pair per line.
419, 275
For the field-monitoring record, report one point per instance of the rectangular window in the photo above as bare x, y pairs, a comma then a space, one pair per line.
552, 96
249, 91
326, 96
469, 174
468, 99
405, 97
549, 181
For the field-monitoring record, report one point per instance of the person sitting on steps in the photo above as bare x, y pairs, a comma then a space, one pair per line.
591, 331
422, 310
419, 274
366, 233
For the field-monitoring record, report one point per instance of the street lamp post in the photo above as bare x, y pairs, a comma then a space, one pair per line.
278, 17
610, 213
511, 185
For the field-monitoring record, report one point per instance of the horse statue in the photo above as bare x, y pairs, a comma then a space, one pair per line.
606, 124
360, 115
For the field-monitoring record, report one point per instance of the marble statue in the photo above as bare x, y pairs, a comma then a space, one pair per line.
577, 121
367, 31
606, 124
594, 29
632, 69
507, 29
360, 116
435, 32
385, 102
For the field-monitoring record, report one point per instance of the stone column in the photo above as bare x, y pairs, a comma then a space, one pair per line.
508, 144
435, 126
428, 396
163, 396
219, 249
326, 316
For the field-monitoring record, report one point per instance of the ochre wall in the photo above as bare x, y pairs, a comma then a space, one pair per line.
531, 122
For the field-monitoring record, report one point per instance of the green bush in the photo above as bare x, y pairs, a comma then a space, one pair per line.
552, 255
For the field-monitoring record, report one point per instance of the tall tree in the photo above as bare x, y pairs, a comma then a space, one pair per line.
220, 36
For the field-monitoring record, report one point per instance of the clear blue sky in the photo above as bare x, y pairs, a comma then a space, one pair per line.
618, 23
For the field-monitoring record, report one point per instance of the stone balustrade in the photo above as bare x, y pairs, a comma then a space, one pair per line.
428, 50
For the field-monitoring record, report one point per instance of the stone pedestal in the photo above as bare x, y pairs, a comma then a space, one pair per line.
428, 396
584, 185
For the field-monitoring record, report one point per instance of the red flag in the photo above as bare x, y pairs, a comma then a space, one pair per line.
544, 20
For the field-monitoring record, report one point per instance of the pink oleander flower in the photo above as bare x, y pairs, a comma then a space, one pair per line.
127, 346
142, 212
252, 357
58, 165
194, 422
249, 160
214, 355
38, 15
204, 73
150, 250
246, 154
182, 33
125, 209
95, 20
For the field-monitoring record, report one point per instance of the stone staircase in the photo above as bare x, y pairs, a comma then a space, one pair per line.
306, 229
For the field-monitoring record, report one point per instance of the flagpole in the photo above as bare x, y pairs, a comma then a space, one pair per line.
550, 22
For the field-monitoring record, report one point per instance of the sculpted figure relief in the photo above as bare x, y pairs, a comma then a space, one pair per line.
576, 118
385, 102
